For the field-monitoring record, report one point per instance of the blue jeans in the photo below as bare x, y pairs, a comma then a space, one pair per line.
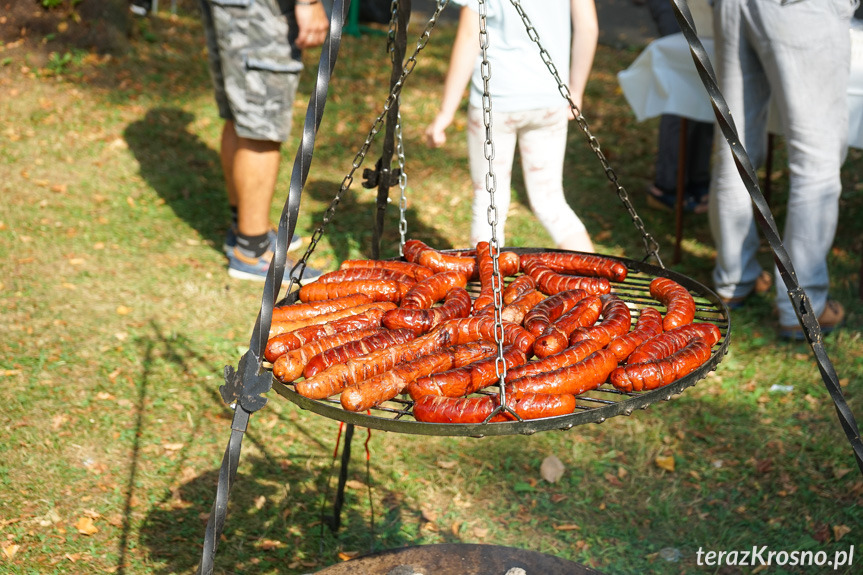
797, 53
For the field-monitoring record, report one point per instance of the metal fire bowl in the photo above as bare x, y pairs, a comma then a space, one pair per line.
457, 559
591, 407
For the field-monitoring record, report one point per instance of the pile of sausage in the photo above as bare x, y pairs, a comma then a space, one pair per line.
375, 329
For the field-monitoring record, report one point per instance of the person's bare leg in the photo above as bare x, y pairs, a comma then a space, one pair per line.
579, 242
227, 152
255, 169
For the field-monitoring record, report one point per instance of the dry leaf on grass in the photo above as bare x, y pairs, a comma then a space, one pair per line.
85, 526
840, 531
270, 544
665, 462
348, 555
260, 501
567, 527
9, 551
446, 464
480, 532
354, 484
552, 469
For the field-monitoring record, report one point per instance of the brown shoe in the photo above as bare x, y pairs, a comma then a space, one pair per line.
831, 318
763, 284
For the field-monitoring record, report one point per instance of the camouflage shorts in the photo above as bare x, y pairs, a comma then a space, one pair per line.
254, 69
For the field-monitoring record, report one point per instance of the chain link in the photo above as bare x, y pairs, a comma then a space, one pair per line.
651, 246
376, 127
490, 186
403, 184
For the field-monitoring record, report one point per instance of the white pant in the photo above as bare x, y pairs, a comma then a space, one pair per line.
798, 53
541, 136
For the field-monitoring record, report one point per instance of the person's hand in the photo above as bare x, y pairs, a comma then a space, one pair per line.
436, 132
313, 24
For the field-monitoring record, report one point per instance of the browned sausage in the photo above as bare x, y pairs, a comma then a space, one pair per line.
379, 290
667, 343
616, 320
278, 327
648, 325
343, 353
289, 366
678, 302
418, 252
387, 385
483, 328
551, 308
517, 310
353, 274
659, 372
580, 264
569, 356
438, 409
301, 311
585, 375
520, 285
485, 264
424, 294
551, 282
341, 375
283, 343
555, 338
414, 270
468, 379
456, 304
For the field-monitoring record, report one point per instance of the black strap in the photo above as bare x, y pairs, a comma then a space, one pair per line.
764, 217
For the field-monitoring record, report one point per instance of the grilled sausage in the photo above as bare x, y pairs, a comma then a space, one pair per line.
353, 274
678, 302
616, 320
569, 356
555, 338
378, 290
580, 264
437, 409
284, 342
279, 327
659, 372
290, 366
483, 328
666, 343
414, 270
551, 282
585, 375
551, 308
350, 350
517, 310
302, 311
457, 304
520, 285
465, 380
424, 294
418, 252
648, 325
387, 385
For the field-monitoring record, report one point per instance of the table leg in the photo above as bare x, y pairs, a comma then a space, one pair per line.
681, 188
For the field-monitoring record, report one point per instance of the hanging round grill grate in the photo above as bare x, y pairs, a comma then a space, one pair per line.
592, 407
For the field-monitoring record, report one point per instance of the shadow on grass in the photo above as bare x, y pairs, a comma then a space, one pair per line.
182, 169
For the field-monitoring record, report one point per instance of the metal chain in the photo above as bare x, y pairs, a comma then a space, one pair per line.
651, 247
376, 127
490, 186
400, 149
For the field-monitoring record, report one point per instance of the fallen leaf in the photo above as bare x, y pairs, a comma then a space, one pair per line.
764, 465
73, 557
173, 446
59, 188
446, 464
85, 526
260, 501
9, 551
104, 395
62, 27
270, 544
841, 472
480, 532
552, 469
76, 262
115, 520
348, 555
354, 484
665, 462
58, 421
567, 527
123, 310
429, 516
612, 480
840, 531
455, 527
49, 518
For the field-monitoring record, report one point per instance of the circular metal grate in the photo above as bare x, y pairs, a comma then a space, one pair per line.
592, 407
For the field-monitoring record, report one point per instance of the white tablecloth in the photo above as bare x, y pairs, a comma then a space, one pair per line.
663, 80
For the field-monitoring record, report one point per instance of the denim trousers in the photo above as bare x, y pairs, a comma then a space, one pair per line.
795, 54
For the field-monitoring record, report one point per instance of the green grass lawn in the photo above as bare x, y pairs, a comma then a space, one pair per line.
118, 318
